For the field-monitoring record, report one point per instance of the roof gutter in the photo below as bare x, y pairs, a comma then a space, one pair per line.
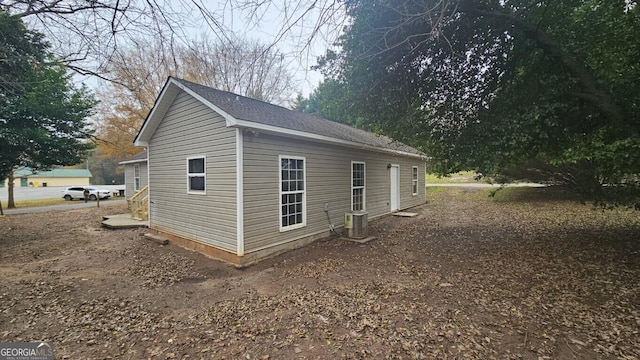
321, 138
132, 161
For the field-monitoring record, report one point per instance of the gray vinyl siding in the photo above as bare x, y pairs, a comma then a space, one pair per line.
129, 178
407, 199
328, 180
188, 129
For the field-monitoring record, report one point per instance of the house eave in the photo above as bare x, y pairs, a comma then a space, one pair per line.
160, 107
156, 114
172, 88
132, 161
269, 129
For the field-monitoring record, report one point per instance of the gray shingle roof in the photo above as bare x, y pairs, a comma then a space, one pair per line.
142, 156
244, 108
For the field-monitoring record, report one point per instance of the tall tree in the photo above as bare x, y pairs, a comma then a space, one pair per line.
545, 86
43, 116
243, 67
88, 35
330, 101
19, 49
104, 169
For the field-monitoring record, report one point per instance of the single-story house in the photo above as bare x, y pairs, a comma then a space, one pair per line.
241, 179
57, 177
135, 173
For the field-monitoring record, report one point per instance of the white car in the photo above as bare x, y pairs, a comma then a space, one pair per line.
77, 192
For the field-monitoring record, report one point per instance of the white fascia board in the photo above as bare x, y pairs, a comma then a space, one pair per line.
153, 119
149, 193
322, 138
132, 161
167, 95
229, 120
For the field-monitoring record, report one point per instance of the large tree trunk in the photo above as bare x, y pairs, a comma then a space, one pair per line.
10, 203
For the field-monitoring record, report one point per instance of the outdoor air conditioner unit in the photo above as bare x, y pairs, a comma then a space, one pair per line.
356, 224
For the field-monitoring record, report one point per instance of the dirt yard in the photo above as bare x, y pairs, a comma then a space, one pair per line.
470, 277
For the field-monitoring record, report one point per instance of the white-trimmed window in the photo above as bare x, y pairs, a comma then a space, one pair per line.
196, 175
292, 192
358, 189
136, 177
414, 180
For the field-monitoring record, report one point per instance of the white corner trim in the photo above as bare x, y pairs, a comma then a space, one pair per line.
240, 192
149, 193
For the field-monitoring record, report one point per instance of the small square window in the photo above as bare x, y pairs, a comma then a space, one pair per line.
196, 175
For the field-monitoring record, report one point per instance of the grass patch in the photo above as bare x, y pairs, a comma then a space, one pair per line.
432, 190
447, 193
460, 177
37, 202
530, 194
510, 194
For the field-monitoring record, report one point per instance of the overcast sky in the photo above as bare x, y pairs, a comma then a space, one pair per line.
293, 27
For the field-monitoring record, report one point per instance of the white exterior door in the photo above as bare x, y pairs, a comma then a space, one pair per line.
394, 173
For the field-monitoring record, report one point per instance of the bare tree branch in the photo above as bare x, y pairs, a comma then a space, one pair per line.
89, 34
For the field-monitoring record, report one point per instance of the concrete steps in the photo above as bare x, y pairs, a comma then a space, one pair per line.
123, 221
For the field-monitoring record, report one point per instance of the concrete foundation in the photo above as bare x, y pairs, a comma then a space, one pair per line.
232, 258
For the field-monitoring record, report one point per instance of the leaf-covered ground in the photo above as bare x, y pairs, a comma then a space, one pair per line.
524, 275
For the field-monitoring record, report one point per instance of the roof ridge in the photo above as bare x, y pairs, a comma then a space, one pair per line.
211, 88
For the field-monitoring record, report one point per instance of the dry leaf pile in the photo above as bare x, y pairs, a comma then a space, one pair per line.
468, 278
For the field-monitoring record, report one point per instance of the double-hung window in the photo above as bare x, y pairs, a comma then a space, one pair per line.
414, 180
292, 192
357, 186
136, 177
196, 175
